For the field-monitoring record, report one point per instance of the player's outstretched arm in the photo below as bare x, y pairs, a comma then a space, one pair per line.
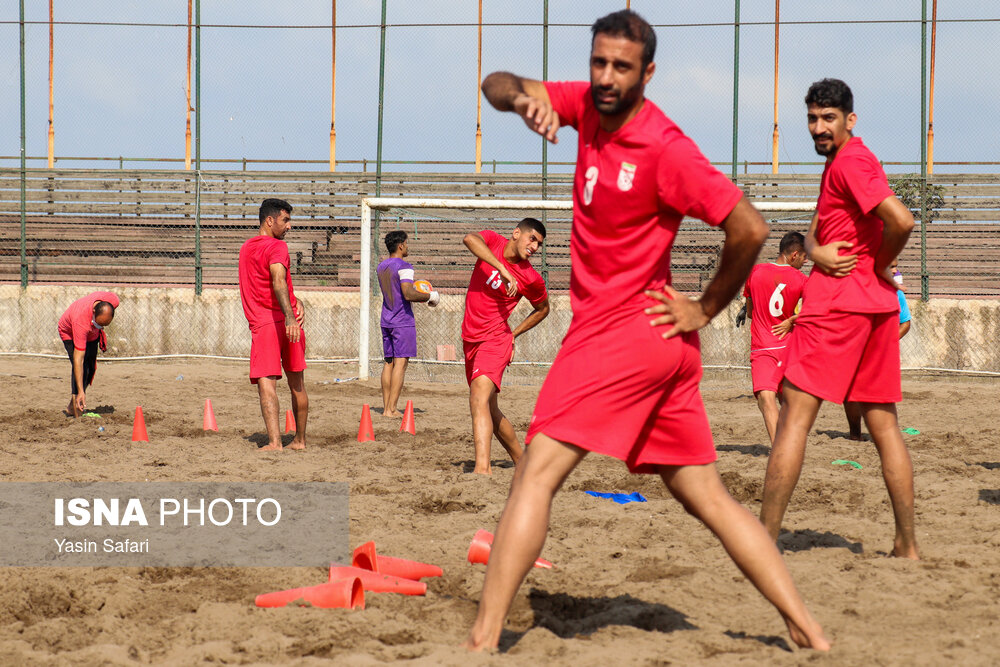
527, 98
897, 223
746, 232
476, 244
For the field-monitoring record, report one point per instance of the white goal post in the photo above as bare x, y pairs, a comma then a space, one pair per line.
387, 203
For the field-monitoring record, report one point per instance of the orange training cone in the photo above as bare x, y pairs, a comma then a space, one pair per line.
408, 424
344, 594
482, 543
365, 431
376, 582
209, 421
366, 558
139, 426
289, 421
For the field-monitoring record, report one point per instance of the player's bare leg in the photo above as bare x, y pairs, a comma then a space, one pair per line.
797, 415
267, 389
897, 471
386, 385
703, 495
852, 410
520, 533
767, 401
481, 392
396, 376
504, 431
300, 406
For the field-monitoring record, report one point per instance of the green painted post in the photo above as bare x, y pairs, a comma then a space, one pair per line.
24, 196
736, 86
545, 144
924, 278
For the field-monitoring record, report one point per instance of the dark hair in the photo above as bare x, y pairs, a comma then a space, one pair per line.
272, 208
832, 93
791, 242
102, 307
532, 223
631, 26
394, 239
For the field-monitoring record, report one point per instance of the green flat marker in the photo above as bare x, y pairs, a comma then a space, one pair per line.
844, 462
92, 415
911, 431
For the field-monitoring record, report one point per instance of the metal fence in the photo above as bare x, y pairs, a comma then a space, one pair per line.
258, 89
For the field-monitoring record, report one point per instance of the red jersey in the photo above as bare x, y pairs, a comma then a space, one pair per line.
631, 190
853, 184
77, 323
487, 305
256, 257
774, 289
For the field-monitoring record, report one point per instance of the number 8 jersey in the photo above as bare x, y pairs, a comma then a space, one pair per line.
487, 305
774, 290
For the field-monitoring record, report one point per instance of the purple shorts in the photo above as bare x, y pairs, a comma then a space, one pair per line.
399, 342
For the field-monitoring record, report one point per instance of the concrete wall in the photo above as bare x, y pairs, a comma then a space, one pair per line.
957, 334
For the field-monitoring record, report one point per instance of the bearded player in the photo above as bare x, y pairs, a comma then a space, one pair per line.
632, 350
846, 341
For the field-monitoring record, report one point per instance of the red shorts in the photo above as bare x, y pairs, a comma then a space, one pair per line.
626, 392
846, 356
488, 357
270, 351
765, 368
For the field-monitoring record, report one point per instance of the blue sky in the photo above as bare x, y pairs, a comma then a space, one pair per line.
266, 92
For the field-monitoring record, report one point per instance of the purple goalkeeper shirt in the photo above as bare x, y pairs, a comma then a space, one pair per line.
396, 311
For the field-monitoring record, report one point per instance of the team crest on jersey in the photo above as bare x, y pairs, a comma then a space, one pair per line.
625, 177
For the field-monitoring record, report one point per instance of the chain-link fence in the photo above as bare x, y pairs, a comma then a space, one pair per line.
118, 207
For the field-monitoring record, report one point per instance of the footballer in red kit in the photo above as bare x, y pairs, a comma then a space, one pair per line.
625, 381
501, 276
846, 341
773, 292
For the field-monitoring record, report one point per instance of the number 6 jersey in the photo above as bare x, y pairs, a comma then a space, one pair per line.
775, 290
487, 305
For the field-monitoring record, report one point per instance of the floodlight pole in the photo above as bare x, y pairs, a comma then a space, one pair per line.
187, 111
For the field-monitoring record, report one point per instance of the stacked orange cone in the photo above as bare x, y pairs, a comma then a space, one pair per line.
343, 594
209, 421
482, 544
289, 421
366, 558
139, 427
376, 582
365, 430
408, 424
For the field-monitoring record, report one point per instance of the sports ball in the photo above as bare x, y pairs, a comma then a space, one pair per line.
423, 286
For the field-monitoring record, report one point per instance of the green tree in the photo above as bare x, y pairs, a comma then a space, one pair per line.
908, 188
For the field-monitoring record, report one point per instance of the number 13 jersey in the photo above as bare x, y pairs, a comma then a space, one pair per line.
487, 305
775, 290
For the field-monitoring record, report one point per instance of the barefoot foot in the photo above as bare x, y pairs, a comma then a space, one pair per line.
272, 447
811, 637
295, 444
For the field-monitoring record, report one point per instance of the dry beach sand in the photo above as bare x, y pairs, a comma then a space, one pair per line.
639, 584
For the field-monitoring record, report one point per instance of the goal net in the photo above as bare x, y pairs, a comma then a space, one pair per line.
435, 229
